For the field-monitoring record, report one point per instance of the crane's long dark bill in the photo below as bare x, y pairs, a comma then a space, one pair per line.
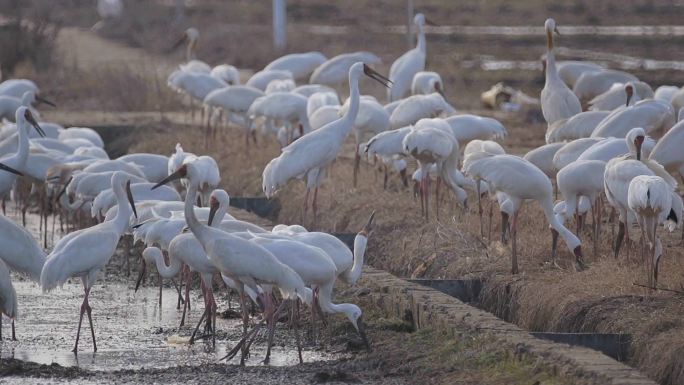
175, 176
129, 194
212, 213
375, 75
10, 169
43, 100
64, 188
35, 125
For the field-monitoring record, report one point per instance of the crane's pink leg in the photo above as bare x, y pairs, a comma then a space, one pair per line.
186, 304
514, 236
271, 329
85, 308
14, 336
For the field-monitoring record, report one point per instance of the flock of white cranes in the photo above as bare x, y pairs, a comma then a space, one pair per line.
609, 135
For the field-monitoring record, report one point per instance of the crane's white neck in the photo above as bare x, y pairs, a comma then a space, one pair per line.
421, 45
198, 229
23, 143
360, 243
124, 211
164, 270
571, 241
354, 99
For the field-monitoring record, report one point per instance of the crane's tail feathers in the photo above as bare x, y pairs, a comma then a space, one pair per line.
53, 274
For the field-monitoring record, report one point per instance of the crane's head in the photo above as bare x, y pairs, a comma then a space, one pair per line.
148, 255
420, 20
24, 115
219, 199
190, 36
550, 28
635, 139
629, 90
360, 67
355, 316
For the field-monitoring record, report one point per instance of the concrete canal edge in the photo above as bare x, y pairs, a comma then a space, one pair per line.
429, 308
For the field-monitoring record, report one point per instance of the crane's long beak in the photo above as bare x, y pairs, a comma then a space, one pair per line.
361, 328
10, 169
638, 142
64, 188
29, 118
143, 270
178, 42
430, 22
174, 176
212, 213
43, 100
375, 75
555, 29
368, 227
129, 194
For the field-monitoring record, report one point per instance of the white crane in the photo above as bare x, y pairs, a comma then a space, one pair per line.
300, 65
582, 178
407, 65
246, 263
153, 166
416, 107
668, 151
654, 116
619, 95
336, 69
650, 198
17, 161
557, 100
191, 37
311, 154
593, 83
576, 127
520, 180
261, 79
10, 104
432, 142
84, 253
226, 73
427, 82
235, 102
619, 173
571, 70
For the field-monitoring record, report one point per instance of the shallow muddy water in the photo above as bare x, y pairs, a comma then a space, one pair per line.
132, 331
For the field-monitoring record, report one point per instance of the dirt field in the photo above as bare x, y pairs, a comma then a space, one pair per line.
541, 298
